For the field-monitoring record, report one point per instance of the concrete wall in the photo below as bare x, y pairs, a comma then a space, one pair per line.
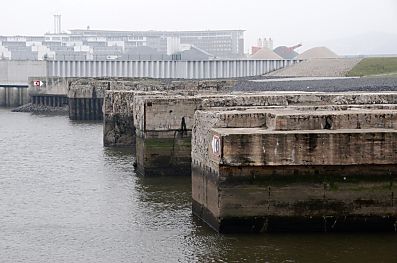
18, 72
13, 96
49, 100
50, 86
205, 69
164, 113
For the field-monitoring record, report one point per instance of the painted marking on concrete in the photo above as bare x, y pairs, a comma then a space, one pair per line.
216, 145
38, 83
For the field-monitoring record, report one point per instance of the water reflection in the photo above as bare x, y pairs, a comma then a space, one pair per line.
66, 198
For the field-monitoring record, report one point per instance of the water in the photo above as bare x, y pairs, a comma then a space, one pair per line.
66, 198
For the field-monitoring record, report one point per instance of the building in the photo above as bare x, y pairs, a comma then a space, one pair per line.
103, 44
265, 43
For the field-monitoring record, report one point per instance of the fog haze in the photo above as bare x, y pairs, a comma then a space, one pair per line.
287, 22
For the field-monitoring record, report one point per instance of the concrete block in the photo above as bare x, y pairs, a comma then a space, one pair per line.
281, 169
118, 129
260, 147
163, 156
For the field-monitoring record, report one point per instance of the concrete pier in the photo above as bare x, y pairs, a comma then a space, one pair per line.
160, 120
86, 99
85, 108
85, 92
163, 131
118, 125
300, 168
119, 129
51, 92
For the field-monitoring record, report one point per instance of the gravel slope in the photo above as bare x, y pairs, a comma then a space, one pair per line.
327, 85
327, 67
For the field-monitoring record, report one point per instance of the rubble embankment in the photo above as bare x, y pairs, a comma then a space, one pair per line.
41, 109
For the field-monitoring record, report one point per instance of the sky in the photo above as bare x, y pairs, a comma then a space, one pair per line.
287, 22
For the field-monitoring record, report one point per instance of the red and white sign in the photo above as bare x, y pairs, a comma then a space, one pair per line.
216, 145
38, 83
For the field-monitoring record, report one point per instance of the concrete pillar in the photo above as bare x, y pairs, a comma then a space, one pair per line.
137, 69
14, 97
3, 97
162, 69
140, 69
147, 68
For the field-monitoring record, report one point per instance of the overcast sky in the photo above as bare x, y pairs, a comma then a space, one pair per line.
287, 21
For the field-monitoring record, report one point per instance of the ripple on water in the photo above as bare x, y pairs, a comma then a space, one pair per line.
66, 198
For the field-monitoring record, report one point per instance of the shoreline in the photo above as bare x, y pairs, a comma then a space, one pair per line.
33, 108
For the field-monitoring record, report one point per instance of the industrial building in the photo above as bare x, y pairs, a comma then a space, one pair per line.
122, 45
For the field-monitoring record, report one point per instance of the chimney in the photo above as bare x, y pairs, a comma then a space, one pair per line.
57, 24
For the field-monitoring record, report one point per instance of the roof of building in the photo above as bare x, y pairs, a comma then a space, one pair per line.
265, 53
285, 52
147, 32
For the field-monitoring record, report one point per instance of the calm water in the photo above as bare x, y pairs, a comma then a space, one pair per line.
65, 198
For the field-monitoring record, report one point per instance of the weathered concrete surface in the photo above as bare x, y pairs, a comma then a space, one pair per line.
85, 87
255, 199
163, 129
49, 86
164, 113
169, 118
296, 173
255, 146
272, 177
289, 118
318, 120
85, 92
300, 98
118, 109
164, 116
164, 156
118, 128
